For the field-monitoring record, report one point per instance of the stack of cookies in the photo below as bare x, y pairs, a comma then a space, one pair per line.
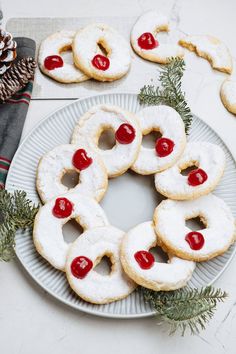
99, 52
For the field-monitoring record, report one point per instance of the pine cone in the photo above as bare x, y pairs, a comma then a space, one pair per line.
17, 77
7, 51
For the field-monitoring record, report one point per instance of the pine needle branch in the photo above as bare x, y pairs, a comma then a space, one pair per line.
187, 308
170, 92
16, 212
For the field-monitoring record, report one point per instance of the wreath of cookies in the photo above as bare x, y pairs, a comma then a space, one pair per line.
132, 263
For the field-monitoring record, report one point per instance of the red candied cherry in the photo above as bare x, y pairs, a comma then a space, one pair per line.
195, 240
62, 208
197, 177
125, 134
147, 41
164, 147
101, 62
53, 61
145, 259
81, 160
80, 266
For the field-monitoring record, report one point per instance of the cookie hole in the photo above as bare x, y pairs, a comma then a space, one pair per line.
149, 140
186, 171
70, 179
107, 139
104, 266
71, 230
162, 36
66, 54
196, 224
102, 49
159, 255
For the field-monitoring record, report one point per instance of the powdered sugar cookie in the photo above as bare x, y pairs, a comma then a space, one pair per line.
210, 48
127, 132
65, 158
170, 224
210, 162
140, 264
51, 62
47, 233
145, 43
168, 148
83, 256
90, 58
228, 95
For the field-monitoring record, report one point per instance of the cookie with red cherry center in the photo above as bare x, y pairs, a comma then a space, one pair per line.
51, 62
145, 41
101, 52
174, 235
207, 163
126, 130
168, 148
67, 158
85, 254
141, 266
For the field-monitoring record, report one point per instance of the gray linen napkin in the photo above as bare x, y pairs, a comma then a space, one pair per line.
13, 113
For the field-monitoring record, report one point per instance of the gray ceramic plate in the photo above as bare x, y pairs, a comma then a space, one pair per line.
130, 199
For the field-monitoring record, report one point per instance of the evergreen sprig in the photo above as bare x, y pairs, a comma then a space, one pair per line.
16, 212
170, 92
186, 308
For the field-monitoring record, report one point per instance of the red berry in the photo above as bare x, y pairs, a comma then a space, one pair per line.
195, 240
81, 160
62, 208
101, 62
80, 266
164, 147
197, 177
53, 61
125, 134
145, 259
147, 41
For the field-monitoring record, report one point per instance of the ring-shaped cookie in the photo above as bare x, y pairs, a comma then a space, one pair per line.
51, 62
83, 256
177, 238
210, 162
89, 57
66, 158
228, 95
48, 234
144, 42
99, 118
211, 49
168, 148
141, 266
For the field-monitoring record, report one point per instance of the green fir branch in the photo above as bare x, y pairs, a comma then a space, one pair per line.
16, 212
187, 308
170, 92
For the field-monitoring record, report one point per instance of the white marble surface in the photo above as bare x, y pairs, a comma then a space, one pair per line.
31, 321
